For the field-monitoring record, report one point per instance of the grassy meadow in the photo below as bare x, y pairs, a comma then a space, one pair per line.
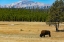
28, 32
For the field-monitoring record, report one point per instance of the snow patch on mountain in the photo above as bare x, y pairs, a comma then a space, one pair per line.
26, 4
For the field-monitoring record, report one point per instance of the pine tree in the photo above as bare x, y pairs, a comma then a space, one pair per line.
55, 16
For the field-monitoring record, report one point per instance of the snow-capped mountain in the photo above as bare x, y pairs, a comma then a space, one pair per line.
26, 4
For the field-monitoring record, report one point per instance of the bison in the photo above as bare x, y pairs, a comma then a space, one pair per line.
45, 32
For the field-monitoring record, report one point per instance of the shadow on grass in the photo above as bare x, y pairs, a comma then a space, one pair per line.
60, 31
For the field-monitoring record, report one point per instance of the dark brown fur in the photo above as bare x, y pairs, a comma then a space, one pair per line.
45, 32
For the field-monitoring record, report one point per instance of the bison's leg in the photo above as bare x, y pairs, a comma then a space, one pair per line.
44, 35
49, 34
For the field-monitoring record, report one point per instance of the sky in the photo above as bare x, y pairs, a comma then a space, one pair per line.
4, 2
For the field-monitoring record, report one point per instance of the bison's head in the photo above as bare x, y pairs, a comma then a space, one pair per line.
40, 35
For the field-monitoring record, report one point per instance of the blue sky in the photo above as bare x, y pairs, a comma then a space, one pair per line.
3, 2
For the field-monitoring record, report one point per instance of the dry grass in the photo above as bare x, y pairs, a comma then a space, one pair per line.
28, 32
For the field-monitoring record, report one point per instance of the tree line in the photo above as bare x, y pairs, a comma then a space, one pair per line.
22, 14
